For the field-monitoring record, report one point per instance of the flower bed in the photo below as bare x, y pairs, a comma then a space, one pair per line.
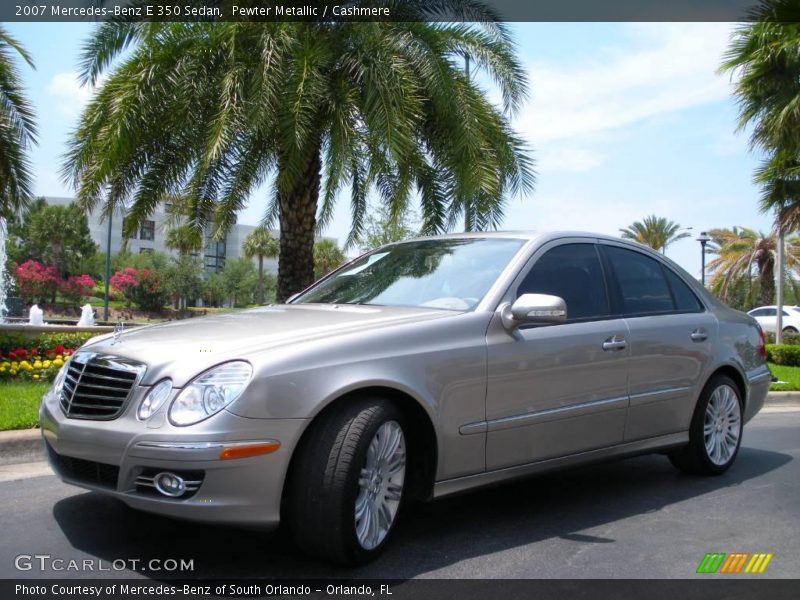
36, 358
22, 363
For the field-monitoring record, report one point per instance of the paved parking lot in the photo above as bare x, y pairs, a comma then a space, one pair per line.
633, 518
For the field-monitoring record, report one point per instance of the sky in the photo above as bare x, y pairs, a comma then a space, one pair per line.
624, 120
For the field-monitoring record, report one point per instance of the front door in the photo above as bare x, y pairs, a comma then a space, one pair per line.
560, 389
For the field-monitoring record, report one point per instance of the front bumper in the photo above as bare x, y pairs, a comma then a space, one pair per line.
114, 457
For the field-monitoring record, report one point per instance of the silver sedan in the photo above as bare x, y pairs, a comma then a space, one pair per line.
421, 369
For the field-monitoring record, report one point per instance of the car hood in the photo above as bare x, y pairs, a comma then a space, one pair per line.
186, 347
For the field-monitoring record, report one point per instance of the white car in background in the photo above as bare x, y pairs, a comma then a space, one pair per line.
767, 317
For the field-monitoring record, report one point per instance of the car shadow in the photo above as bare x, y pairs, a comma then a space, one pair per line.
429, 537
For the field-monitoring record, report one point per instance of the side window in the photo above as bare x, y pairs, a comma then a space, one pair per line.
759, 312
770, 312
685, 300
643, 287
573, 272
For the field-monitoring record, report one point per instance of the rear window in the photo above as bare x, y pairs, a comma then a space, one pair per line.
685, 300
642, 285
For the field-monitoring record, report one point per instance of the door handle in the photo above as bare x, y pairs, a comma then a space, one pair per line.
699, 335
615, 343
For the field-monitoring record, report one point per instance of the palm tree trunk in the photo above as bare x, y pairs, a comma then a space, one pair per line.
260, 279
298, 217
55, 249
766, 276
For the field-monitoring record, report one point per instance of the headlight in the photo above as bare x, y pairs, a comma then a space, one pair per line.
58, 382
210, 393
154, 399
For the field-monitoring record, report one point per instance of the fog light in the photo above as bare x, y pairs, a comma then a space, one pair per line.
170, 484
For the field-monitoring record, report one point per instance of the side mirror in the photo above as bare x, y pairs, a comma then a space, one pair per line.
540, 309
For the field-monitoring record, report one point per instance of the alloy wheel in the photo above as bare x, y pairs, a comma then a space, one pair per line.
723, 425
380, 485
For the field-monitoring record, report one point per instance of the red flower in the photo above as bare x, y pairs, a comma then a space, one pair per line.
34, 352
59, 349
12, 355
36, 281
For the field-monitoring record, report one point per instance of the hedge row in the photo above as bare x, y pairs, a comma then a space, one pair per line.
42, 341
785, 354
789, 339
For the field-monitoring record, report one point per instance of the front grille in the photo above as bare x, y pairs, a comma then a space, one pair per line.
84, 471
97, 387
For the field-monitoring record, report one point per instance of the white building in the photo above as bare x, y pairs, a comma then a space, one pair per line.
151, 237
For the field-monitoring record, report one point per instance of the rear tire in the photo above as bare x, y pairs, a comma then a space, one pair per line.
715, 433
348, 482
789, 330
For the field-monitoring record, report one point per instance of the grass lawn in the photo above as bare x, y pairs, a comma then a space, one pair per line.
19, 404
789, 375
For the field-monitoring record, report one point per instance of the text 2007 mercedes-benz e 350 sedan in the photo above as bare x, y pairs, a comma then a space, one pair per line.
418, 370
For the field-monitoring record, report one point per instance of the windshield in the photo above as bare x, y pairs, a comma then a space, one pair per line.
446, 273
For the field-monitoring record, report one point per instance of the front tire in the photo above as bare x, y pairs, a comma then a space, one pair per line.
348, 484
715, 433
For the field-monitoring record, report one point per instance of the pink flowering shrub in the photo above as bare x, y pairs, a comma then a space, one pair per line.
37, 282
143, 287
77, 287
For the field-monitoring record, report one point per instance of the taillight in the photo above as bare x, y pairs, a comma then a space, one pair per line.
762, 344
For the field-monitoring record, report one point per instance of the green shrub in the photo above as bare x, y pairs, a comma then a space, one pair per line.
42, 341
789, 339
786, 354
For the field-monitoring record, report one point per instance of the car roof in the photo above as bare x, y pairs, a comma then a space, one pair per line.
528, 235
773, 306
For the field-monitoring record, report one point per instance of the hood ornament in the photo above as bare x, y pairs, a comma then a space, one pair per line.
118, 328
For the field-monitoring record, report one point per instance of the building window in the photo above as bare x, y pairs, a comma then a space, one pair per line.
214, 255
147, 231
124, 224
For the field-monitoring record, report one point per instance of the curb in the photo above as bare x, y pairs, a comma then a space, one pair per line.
782, 399
21, 446
25, 445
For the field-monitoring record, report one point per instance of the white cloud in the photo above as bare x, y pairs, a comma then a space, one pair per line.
69, 94
568, 158
658, 69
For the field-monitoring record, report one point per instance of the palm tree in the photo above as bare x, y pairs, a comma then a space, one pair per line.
745, 256
260, 243
653, 231
315, 109
764, 57
17, 129
327, 256
17, 134
185, 239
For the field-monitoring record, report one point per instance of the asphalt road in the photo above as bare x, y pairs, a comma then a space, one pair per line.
637, 518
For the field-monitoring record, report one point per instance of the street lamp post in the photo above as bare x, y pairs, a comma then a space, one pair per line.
703, 238
108, 269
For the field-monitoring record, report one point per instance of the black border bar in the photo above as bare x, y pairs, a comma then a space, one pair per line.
391, 10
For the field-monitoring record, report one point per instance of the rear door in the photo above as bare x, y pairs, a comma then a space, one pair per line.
671, 336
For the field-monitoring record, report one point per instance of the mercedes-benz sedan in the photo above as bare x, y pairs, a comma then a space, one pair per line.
418, 370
